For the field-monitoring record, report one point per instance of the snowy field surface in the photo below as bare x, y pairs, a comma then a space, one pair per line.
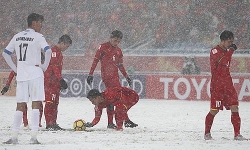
163, 125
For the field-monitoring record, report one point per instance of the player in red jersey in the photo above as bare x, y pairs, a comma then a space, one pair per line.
223, 93
111, 58
6, 88
121, 98
53, 82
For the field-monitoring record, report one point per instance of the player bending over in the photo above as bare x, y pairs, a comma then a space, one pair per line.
121, 98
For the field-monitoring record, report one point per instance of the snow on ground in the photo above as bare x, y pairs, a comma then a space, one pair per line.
163, 124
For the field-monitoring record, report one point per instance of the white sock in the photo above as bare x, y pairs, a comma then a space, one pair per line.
16, 124
35, 120
17, 121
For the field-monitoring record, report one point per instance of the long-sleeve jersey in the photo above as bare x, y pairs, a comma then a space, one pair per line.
220, 64
54, 71
121, 97
111, 59
27, 45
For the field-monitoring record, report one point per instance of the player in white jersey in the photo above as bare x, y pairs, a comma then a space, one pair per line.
30, 79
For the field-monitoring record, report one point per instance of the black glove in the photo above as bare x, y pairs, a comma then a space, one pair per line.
88, 124
129, 81
90, 79
4, 90
110, 107
233, 46
63, 84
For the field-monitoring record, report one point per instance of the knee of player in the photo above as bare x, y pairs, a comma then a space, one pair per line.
214, 111
234, 108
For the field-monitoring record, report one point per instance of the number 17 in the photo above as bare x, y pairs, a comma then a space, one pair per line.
23, 46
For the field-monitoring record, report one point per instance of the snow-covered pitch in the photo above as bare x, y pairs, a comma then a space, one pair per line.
163, 124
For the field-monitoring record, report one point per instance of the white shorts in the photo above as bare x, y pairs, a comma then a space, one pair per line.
33, 89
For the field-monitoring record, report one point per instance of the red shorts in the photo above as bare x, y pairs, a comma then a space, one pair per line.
223, 97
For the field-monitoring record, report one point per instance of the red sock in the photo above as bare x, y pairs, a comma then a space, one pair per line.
48, 110
119, 120
110, 116
208, 122
236, 121
55, 112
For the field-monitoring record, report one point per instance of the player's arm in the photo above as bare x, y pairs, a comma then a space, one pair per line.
7, 55
123, 71
55, 64
93, 66
47, 53
95, 61
7, 85
11, 76
98, 114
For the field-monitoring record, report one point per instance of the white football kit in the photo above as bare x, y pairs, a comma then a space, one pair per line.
27, 45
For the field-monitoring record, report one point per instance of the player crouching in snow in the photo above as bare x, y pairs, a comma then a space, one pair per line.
121, 97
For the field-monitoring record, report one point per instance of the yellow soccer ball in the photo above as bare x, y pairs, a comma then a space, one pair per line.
79, 125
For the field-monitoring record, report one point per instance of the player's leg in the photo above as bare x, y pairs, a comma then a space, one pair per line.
41, 114
36, 92
132, 99
110, 84
22, 97
48, 110
110, 113
56, 91
25, 116
49, 106
235, 117
215, 105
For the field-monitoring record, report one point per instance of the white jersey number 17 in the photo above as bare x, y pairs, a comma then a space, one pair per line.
23, 48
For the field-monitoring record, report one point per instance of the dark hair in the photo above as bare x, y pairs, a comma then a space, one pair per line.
117, 34
225, 35
65, 39
93, 93
34, 17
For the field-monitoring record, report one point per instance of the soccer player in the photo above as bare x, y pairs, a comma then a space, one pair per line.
111, 58
30, 79
121, 98
6, 88
53, 82
223, 93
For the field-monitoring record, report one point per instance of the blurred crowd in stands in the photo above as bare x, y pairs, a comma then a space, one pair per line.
151, 24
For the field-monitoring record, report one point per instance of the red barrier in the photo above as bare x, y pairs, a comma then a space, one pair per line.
178, 87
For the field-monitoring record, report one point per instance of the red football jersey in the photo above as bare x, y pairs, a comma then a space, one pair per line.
111, 59
222, 90
53, 74
54, 71
220, 63
121, 97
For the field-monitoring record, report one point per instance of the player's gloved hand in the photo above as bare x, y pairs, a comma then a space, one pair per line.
111, 107
90, 79
4, 90
88, 124
233, 46
63, 84
129, 81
